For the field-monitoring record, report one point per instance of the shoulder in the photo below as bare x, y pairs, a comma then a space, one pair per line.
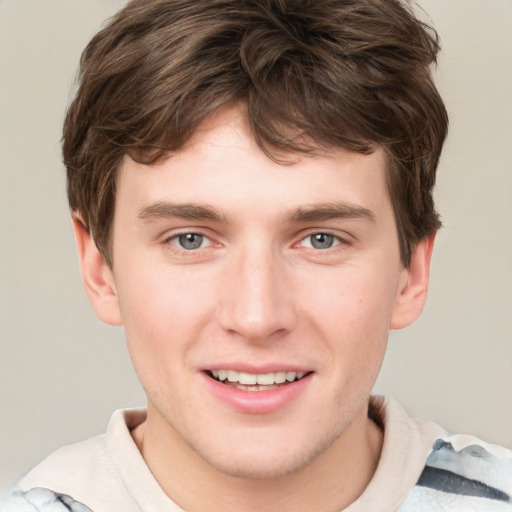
423, 468
64, 468
67, 479
465, 473
43, 500
82, 476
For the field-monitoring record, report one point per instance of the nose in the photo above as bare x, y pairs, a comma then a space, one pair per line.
256, 302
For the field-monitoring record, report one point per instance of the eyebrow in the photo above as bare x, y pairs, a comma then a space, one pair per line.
188, 211
312, 213
324, 212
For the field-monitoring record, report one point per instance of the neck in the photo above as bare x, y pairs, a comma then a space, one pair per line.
332, 481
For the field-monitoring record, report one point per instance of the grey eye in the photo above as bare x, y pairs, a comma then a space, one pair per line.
322, 240
190, 241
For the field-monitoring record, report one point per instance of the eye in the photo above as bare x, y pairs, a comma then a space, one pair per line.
190, 241
321, 241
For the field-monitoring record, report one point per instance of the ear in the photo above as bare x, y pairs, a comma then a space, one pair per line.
97, 277
413, 289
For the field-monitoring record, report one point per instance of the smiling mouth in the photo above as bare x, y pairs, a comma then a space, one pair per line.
255, 381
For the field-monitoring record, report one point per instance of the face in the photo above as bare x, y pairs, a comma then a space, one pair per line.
256, 298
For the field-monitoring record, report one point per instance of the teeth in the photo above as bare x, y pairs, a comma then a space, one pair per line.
267, 379
262, 379
246, 378
232, 376
280, 377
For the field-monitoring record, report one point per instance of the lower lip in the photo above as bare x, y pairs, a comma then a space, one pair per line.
257, 402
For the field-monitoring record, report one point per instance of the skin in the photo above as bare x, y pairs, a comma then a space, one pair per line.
257, 292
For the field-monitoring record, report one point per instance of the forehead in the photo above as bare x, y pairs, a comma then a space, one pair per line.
223, 165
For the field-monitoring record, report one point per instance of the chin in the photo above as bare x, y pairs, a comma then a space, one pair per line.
268, 468
260, 460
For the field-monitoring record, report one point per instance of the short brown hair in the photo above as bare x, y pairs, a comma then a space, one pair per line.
353, 74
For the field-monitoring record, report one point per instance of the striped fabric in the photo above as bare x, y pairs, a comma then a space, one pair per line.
470, 478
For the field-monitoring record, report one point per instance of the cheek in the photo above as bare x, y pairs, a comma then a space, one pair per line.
353, 319
163, 314
356, 304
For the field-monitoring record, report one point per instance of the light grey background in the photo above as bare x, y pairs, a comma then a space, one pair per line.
62, 372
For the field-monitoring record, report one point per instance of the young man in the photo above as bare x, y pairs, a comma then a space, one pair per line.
251, 188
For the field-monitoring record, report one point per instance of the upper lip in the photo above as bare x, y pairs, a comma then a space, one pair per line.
259, 369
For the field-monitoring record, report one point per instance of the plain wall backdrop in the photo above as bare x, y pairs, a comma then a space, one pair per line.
62, 372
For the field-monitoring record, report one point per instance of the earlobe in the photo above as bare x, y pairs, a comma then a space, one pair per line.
413, 289
97, 277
